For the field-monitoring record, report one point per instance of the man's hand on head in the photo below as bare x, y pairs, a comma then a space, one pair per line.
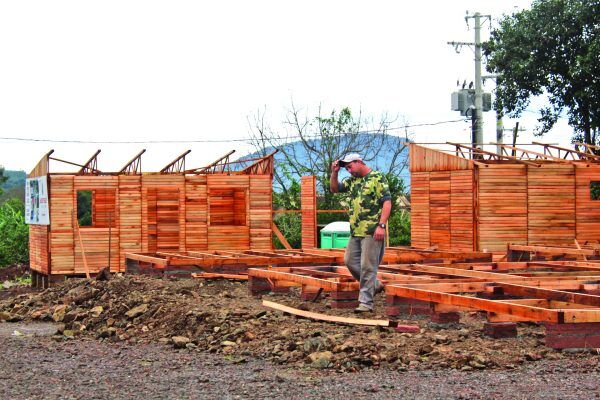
335, 166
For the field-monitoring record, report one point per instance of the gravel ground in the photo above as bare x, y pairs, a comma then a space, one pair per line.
36, 365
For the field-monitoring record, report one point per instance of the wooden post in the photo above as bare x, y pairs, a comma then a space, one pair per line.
76, 227
309, 211
281, 238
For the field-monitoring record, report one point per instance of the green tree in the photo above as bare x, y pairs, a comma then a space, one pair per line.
84, 207
309, 144
553, 50
2, 178
14, 234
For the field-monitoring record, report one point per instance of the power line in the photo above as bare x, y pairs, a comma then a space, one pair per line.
248, 140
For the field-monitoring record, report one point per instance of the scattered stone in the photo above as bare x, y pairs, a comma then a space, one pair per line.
480, 359
321, 359
59, 313
12, 317
180, 341
96, 311
137, 311
315, 344
440, 339
476, 364
69, 333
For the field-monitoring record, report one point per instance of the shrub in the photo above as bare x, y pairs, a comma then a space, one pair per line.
14, 234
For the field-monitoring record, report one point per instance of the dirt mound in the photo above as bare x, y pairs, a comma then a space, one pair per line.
221, 317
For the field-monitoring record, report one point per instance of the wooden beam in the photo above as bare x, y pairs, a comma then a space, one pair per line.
328, 318
494, 155
177, 165
552, 250
542, 155
220, 162
78, 232
569, 151
90, 165
212, 275
264, 166
524, 311
280, 236
133, 166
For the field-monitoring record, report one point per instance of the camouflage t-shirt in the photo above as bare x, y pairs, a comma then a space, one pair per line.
367, 195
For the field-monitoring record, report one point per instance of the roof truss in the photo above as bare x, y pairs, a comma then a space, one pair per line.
133, 166
177, 165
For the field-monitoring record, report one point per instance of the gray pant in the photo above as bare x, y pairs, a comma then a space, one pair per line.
362, 258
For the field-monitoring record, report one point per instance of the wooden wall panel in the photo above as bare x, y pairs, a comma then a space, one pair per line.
502, 207
95, 239
42, 167
95, 245
130, 217
423, 159
261, 212
150, 213
167, 220
439, 209
61, 225
587, 210
38, 248
308, 201
152, 185
196, 222
551, 205
227, 236
461, 210
419, 213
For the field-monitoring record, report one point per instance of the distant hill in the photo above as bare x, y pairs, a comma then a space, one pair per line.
381, 163
14, 186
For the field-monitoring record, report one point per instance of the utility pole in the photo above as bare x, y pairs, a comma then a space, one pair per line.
478, 100
478, 83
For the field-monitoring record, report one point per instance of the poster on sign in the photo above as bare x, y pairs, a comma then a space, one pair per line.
36, 201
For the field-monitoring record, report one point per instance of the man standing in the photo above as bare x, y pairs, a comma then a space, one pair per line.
370, 206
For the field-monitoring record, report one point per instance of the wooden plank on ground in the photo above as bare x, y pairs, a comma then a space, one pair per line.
329, 318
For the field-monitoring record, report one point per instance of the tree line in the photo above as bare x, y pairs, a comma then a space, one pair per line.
14, 233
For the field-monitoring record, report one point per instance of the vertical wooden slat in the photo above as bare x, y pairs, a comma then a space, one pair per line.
419, 215
439, 209
308, 200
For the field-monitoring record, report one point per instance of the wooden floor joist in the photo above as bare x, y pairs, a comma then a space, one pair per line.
545, 297
238, 261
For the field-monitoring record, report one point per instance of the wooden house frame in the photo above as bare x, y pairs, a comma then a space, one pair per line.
225, 205
466, 198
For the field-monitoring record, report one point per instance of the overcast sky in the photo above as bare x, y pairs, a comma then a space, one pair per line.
192, 71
